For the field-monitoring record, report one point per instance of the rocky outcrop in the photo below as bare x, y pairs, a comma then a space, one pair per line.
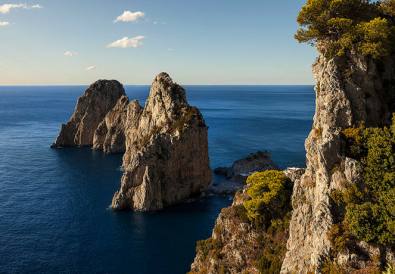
349, 89
238, 173
237, 246
91, 108
241, 169
110, 134
166, 159
165, 144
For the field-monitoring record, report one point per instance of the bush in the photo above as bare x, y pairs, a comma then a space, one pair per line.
241, 213
270, 193
371, 212
340, 238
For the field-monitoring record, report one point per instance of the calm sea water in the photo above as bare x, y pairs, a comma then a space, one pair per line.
54, 215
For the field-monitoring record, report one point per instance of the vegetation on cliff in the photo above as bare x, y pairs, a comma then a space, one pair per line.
342, 25
371, 208
255, 227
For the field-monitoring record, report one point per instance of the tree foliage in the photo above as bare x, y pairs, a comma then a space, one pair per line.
345, 24
371, 211
271, 193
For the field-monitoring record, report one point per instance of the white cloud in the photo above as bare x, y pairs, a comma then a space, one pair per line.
2, 24
69, 53
7, 7
155, 23
127, 42
170, 49
129, 16
91, 68
34, 7
163, 23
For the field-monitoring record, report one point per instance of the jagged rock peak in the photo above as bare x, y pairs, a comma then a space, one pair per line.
99, 98
166, 159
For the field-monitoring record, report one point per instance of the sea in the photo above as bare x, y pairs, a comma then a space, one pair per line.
54, 203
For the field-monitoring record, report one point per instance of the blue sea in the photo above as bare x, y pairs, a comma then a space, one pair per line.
54, 203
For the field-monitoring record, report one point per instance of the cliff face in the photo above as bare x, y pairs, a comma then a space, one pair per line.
166, 159
97, 101
165, 144
110, 134
349, 89
237, 246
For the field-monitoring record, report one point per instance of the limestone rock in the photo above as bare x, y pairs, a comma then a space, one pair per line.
236, 244
241, 169
91, 108
166, 159
342, 100
110, 134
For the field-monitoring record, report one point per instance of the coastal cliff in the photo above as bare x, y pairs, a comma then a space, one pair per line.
238, 245
342, 218
343, 100
165, 144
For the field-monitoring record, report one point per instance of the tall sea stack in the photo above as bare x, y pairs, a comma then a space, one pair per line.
166, 159
91, 108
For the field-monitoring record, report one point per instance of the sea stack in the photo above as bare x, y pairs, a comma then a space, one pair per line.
166, 157
91, 108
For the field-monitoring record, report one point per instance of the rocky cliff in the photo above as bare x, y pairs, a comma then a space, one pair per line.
166, 159
349, 89
165, 144
238, 246
91, 108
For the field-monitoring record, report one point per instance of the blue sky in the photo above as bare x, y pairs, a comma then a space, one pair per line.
202, 42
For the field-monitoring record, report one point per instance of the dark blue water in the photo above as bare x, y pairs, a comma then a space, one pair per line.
54, 215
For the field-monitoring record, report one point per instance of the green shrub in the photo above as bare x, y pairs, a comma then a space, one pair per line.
390, 269
241, 213
270, 193
204, 246
269, 264
337, 196
370, 212
340, 238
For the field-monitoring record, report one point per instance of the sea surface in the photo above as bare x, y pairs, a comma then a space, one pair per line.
54, 203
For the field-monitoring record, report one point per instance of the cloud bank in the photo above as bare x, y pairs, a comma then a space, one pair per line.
129, 16
127, 42
7, 7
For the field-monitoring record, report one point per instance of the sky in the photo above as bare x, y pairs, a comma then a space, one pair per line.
205, 42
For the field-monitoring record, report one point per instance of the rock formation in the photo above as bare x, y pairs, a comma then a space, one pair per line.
165, 144
238, 173
166, 159
241, 169
236, 246
97, 101
349, 89
110, 134
343, 99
